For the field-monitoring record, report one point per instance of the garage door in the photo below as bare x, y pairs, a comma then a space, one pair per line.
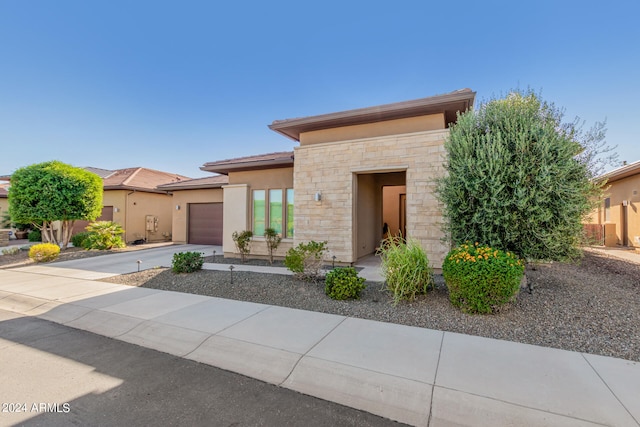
205, 223
106, 215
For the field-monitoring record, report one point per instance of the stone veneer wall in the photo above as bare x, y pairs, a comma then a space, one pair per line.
331, 169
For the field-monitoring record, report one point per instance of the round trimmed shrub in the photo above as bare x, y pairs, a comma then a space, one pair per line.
343, 283
187, 262
44, 252
481, 279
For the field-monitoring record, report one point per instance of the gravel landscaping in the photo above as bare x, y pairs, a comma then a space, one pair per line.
593, 307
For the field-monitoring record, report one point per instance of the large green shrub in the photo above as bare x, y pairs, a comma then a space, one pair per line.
187, 262
518, 178
44, 252
405, 267
305, 260
104, 235
481, 279
343, 283
243, 243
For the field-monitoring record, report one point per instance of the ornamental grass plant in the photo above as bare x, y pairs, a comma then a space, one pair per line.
481, 279
405, 267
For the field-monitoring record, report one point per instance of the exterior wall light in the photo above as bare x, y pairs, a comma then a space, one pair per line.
317, 197
177, 207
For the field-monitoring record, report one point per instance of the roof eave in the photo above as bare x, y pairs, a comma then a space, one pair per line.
459, 100
248, 166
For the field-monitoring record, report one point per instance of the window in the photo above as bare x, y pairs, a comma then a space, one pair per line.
289, 212
276, 211
258, 212
607, 209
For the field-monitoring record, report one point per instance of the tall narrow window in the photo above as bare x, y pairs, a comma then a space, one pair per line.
607, 209
259, 213
275, 210
290, 212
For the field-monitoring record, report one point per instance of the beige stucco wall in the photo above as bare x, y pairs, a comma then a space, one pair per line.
627, 189
237, 207
132, 209
388, 127
182, 198
332, 169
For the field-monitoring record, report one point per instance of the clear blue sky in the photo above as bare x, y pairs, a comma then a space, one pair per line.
172, 85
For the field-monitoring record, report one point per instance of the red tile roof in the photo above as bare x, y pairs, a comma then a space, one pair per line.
141, 179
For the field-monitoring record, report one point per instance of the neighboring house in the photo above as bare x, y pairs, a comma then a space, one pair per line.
197, 210
132, 199
354, 172
4, 201
618, 216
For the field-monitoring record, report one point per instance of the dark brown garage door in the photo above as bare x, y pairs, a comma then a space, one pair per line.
205, 223
107, 215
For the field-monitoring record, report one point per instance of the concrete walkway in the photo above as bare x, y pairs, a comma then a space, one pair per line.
413, 375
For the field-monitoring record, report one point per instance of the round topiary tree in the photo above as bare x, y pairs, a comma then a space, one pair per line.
54, 191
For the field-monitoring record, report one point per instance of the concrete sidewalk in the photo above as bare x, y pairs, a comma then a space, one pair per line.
413, 375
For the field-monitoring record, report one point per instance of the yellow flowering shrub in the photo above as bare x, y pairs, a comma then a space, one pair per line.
44, 252
480, 279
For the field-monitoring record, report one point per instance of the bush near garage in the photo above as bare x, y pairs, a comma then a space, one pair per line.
44, 252
103, 235
481, 279
187, 262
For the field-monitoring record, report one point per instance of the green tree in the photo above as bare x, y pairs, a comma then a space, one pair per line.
520, 179
54, 191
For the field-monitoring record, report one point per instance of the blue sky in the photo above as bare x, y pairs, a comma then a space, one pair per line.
172, 85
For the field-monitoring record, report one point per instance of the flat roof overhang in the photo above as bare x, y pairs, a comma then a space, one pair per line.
449, 104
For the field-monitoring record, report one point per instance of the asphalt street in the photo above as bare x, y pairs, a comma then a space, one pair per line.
54, 375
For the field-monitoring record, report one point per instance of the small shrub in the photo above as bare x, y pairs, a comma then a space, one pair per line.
481, 279
243, 243
343, 283
305, 260
187, 262
44, 252
77, 240
11, 251
35, 236
406, 268
273, 239
104, 235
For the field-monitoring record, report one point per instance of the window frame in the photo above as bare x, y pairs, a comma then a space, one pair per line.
284, 205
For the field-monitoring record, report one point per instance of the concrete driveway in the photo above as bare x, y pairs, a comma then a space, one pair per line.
119, 263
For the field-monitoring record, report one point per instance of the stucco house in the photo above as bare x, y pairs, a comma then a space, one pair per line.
618, 215
132, 199
351, 173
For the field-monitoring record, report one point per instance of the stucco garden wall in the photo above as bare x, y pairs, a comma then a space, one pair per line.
332, 168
